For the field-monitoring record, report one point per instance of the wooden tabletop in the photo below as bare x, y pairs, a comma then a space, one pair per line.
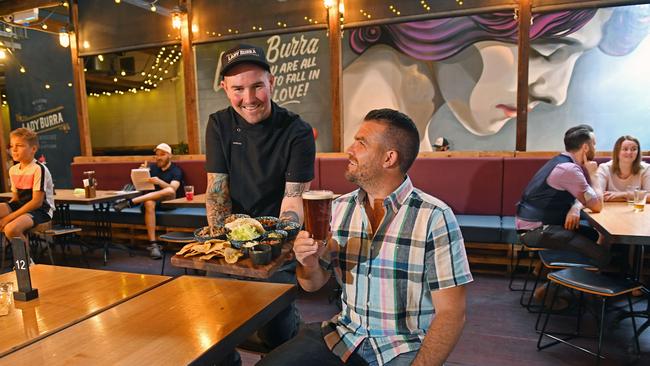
243, 267
187, 320
198, 201
621, 224
66, 196
66, 296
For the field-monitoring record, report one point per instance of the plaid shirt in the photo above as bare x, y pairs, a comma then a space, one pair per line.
387, 279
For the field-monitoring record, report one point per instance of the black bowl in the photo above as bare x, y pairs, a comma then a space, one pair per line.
268, 222
275, 244
202, 238
245, 250
292, 228
260, 254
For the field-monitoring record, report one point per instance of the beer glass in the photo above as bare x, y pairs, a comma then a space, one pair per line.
318, 212
639, 200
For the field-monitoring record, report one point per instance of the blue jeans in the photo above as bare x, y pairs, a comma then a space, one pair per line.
309, 348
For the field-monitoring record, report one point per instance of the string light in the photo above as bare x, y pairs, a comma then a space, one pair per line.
47, 86
86, 44
118, 1
176, 19
3, 54
22, 70
153, 8
64, 38
44, 26
100, 58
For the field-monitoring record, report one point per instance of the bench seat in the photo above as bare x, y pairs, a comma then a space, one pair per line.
480, 228
189, 217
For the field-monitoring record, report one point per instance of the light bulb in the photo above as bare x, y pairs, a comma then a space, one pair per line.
153, 7
64, 39
176, 21
3, 54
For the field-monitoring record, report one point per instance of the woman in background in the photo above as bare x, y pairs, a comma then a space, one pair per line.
625, 171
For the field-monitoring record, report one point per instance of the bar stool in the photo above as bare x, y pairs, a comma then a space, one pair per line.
37, 237
174, 237
554, 259
583, 281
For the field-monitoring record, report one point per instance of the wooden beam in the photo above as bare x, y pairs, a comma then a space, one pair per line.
336, 75
522, 73
3, 155
79, 85
10, 7
189, 78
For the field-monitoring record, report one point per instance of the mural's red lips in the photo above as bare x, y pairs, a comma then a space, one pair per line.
509, 111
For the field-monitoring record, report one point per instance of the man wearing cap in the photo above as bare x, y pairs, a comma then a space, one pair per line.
259, 160
167, 177
441, 144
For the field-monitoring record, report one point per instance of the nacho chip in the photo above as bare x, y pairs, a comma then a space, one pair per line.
186, 248
232, 255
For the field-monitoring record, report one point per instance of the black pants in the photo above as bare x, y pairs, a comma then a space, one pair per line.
583, 240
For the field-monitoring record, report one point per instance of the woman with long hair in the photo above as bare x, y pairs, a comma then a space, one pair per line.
624, 171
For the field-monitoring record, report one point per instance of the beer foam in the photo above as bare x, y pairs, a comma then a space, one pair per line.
317, 195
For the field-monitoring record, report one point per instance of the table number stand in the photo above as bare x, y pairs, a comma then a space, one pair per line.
21, 262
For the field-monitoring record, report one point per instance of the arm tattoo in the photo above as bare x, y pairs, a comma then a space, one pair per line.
217, 199
290, 216
295, 189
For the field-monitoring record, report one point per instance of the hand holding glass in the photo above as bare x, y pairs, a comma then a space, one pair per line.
318, 212
189, 192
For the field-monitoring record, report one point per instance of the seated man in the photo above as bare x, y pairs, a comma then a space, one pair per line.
167, 177
398, 254
32, 188
548, 214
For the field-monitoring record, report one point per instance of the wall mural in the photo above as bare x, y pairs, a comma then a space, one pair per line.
457, 77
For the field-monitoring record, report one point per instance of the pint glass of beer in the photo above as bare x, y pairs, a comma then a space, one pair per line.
318, 212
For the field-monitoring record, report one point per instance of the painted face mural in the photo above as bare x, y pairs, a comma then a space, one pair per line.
473, 65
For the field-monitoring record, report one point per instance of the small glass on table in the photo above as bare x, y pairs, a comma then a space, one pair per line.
318, 212
640, 196
6, 297
189, 192
629, 194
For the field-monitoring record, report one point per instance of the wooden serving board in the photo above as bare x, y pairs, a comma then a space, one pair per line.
243, 267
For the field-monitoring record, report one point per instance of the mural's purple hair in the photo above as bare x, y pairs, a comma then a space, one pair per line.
627, 27
439, 39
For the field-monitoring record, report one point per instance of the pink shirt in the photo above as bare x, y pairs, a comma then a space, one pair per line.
568, 177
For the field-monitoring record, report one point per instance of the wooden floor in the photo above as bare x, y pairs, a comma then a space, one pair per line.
498, 331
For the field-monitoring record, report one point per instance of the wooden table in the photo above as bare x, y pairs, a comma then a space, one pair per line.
101, 203
66, 196
66, 296
189, 320
243, 267
198, 201
621, 225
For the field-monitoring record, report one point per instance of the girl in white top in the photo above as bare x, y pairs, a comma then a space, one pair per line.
625, 171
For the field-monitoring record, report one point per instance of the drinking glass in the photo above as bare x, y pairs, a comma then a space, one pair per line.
189, 192
639, 200
630, 194
6, 297
318, 212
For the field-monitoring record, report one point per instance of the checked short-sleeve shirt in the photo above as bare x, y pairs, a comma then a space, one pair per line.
387, 278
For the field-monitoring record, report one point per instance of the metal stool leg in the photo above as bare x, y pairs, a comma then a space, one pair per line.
636, 335
601, 329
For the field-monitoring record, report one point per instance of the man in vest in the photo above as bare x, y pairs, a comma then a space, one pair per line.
548, 214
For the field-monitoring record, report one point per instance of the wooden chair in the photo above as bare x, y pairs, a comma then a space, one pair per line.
587, 282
